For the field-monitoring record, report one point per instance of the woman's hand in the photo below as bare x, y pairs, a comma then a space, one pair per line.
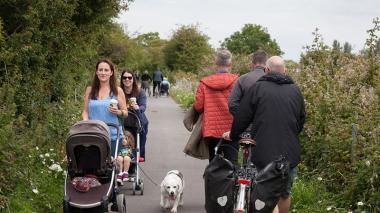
115, 111
226, 136
135, 106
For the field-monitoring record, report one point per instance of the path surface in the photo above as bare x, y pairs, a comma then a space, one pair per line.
166, 138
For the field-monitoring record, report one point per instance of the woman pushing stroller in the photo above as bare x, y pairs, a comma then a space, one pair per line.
137, 102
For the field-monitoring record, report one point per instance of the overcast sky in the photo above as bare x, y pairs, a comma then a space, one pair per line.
290, 22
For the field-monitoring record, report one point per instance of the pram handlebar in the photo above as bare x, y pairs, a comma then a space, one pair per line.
117, 139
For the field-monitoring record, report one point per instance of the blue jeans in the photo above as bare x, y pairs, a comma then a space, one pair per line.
292, 176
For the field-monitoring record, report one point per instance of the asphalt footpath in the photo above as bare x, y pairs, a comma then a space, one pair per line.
167, 137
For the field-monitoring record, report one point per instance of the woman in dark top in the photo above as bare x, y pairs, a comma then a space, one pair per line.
128, 83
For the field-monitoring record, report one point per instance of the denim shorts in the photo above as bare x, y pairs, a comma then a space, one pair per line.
292, 174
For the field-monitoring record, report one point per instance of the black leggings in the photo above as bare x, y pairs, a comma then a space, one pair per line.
229, 153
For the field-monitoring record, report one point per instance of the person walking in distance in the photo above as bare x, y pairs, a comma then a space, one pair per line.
211, 99
157, 78
145, 82
275, 107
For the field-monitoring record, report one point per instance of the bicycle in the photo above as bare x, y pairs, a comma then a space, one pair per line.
245, 175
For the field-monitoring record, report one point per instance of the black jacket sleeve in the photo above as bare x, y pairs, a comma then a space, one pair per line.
302, 117
235, 98
245, 114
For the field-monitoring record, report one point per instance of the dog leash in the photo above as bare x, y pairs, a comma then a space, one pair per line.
149, 178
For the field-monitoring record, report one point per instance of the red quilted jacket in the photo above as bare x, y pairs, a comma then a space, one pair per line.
212, 99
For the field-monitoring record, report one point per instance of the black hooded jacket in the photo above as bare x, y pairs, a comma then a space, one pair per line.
275, 106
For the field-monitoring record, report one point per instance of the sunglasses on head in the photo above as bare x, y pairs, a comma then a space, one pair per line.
127, 77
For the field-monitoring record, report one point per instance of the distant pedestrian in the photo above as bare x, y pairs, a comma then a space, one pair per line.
157, 78
145, 82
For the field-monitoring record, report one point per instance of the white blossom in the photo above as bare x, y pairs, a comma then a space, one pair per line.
37, 148
368, 163
35, 191
319, 178
55, 167
360, 203
328, 208
47, 155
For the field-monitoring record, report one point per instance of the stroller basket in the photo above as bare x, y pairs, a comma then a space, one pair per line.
88, 148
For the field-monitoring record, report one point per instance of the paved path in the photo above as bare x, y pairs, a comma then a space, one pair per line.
166, 138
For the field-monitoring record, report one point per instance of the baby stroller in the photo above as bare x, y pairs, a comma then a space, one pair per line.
164, 89
132, 124
89, 153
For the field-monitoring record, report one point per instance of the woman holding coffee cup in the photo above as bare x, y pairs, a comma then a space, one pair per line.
104, 100
137, 101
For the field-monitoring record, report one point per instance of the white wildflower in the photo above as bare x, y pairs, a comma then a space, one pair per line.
47, 155
328, 208
319, 178
55, 167
368, 163
35, 191
37, 148
360, 203
29, 156
41, 156
51, 150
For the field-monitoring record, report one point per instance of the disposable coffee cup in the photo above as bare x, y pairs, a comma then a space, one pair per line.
133, 100
113, 103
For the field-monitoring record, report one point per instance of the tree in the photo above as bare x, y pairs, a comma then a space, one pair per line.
187, 49
347, 48
251, 38
336, 46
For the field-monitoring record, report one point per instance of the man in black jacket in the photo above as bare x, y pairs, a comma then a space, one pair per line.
245, 81
275, 106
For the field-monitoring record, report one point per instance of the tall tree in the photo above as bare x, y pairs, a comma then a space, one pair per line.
187, 49
347, 47
251, 38
336, 46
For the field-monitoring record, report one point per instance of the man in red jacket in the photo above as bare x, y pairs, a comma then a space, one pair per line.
212, 100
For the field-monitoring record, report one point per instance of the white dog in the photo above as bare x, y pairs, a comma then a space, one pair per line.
172, 190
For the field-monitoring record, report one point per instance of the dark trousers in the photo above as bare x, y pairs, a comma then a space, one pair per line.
231, 153
143, 140
156, 84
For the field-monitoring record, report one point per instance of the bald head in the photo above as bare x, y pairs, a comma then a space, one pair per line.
276, 64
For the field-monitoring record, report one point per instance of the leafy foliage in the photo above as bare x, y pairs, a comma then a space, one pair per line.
47, 53
251, 38
341, 90
187, 50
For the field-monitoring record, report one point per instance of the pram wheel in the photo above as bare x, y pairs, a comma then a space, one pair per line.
141, 188
121, 203
134, 186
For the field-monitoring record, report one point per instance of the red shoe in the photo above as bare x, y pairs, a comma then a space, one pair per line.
142, 159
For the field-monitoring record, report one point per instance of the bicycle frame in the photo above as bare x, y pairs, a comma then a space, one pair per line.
246, 175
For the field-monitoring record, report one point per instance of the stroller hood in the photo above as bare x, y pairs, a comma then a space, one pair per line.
88, 147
